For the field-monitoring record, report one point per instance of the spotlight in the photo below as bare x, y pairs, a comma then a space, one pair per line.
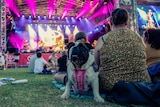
39, 17
23, 16
45, 17
105, 2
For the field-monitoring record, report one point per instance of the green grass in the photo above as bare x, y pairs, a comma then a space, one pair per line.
38, 92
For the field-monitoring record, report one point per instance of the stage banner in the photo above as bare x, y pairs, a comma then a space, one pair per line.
25, 58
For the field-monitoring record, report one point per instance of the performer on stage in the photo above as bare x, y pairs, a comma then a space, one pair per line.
150, 20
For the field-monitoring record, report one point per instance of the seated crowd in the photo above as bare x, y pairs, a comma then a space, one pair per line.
121, 54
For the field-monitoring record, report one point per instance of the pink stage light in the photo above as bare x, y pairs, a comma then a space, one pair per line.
68, 6
104, 10
51, 7
32, 6
12, 5
87, 7
16, 41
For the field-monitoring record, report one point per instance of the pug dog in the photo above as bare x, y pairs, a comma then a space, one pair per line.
81, 73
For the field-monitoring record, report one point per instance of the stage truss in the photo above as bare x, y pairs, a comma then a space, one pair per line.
3, 25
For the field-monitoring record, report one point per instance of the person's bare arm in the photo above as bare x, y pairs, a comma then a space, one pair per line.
97, 48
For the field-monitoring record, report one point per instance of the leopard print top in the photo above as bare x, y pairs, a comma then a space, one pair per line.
122, 57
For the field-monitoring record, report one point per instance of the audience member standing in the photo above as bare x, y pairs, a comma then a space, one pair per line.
2, 61
32, 61
120, 53
6, 59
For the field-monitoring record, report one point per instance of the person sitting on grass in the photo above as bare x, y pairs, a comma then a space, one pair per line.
32, 61
41, 65
61, 75
151, 39
52, 61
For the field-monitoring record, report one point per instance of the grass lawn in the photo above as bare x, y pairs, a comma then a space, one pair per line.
38, 92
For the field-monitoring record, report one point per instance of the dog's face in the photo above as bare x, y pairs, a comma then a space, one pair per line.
77, 62
79, 55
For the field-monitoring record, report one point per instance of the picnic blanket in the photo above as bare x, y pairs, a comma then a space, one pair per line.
87, 95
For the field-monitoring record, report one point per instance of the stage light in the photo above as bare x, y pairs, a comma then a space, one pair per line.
59, 28
45, 17
67, 30
76, 30
30, 16
23, 16
39, 17
104, 25
32, 36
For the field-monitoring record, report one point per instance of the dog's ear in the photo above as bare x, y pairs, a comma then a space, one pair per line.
89, 46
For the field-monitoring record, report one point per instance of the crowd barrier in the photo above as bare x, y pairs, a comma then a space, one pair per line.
25, 58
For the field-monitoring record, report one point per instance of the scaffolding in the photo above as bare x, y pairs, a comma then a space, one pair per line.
3, 25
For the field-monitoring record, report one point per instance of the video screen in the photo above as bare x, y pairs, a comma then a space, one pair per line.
148, 16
